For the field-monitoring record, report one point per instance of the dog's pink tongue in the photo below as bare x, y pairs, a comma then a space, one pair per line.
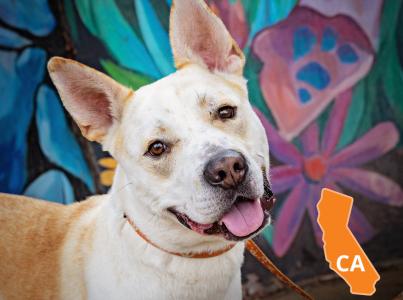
244, 218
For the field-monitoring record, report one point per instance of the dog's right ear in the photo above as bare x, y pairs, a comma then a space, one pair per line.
94, 100
198, 36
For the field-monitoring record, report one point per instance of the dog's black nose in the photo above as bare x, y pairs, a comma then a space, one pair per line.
226, 169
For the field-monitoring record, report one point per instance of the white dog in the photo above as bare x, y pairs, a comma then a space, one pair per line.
190, 186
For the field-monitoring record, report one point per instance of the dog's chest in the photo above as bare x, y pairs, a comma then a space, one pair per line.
216, 278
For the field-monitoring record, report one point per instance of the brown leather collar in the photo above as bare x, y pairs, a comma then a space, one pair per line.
205, 254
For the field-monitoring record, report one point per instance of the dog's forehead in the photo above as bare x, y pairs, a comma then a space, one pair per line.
185, 91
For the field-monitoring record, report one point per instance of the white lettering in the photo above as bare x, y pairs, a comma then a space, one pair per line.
338, 263
357, 263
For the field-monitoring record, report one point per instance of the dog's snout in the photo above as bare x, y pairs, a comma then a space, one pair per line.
227, 169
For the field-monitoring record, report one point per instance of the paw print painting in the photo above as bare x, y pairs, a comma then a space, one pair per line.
308, 59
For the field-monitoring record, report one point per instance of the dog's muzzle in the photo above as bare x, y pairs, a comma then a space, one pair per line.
243, 219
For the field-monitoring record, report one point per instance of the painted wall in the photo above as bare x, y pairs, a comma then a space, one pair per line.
325, 78
39, 154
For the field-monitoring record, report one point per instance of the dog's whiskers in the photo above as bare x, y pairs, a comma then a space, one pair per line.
121, 188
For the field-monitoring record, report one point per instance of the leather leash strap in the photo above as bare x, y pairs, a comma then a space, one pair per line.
268, 264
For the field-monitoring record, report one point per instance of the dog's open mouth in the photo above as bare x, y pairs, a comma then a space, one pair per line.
242, 220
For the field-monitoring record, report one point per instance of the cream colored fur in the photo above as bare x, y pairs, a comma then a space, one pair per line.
88, 250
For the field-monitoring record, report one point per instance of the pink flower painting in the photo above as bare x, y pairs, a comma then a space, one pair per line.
304, 173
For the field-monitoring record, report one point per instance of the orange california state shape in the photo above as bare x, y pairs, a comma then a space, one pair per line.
342, 251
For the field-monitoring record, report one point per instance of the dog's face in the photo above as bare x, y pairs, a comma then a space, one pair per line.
195, 138
190, 142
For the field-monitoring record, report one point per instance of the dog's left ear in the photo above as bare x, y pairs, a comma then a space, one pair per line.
198, 36
94, 100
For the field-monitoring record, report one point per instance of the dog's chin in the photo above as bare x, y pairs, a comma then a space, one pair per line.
245, 218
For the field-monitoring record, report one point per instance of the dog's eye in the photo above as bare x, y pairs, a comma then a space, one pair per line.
226, 112
157, 148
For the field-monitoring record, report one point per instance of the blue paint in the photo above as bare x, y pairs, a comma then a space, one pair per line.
155, 37
329, 39
31, 15
304, 95
53, 186
304, 40
19, 77
315, 75
11, 39
55, 138
104, 20
12, 167
347, 54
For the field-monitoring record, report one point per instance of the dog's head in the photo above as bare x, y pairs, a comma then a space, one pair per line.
190, 142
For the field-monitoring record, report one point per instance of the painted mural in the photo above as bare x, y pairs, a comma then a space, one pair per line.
325, 78
30, 104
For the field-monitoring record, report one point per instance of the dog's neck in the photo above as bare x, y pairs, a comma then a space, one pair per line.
127, 200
